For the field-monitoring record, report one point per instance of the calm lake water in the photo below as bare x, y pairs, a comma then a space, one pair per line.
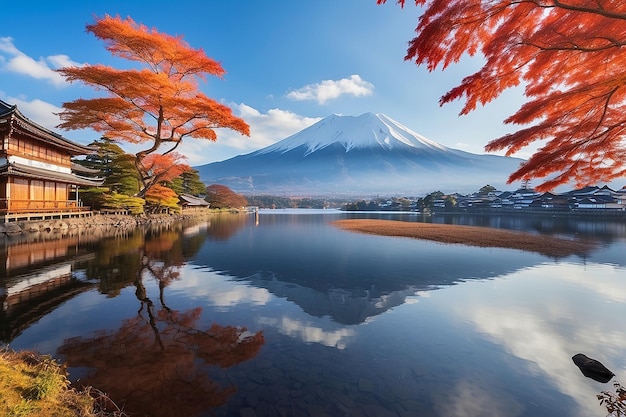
282, 314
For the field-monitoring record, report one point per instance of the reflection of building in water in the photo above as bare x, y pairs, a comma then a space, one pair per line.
196, 229
23, 255
37, 277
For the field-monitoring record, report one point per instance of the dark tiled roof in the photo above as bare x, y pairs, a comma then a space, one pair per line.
598, 199
83, 169
11, 114
193, 200
19, 170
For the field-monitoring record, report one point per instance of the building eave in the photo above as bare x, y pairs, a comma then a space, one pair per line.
19, 122
19, 170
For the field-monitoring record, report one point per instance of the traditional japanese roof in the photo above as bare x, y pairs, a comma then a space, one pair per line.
12, 119
191, 200
19, 170
584, 191
598, 199
78, 168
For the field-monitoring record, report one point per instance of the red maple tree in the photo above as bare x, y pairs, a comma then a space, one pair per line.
567, 53
162, 169
159, 103
220, 196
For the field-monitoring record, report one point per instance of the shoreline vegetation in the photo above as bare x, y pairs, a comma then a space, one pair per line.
32, 384
469, 235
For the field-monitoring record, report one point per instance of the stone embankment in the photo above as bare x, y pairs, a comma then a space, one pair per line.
97, 222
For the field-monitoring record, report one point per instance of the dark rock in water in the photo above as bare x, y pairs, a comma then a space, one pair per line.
591, 368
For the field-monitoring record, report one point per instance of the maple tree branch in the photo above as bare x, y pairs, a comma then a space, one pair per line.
604, 133
175, 146
159, 124
562, 5
613, 43
599, 11
606, 107
154, 147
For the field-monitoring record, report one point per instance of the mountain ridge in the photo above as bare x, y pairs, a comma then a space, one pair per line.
364, 155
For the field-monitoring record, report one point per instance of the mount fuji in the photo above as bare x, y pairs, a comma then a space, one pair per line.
364, 155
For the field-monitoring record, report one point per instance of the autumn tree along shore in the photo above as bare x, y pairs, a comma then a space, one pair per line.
157, 104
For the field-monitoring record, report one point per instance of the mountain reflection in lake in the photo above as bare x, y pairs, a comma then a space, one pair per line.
282, 314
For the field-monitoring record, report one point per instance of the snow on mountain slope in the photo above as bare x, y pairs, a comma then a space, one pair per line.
364, 131
366, 155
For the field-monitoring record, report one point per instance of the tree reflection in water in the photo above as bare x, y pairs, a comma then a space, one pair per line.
156, 363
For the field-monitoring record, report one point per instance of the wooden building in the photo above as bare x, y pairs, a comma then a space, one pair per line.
36, 176
189, 202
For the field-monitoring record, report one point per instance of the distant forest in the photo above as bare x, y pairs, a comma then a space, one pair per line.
277, 202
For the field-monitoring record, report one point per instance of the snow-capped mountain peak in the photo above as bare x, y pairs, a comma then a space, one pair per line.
370, 154
368, 130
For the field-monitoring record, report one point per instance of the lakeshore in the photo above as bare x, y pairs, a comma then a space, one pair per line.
98, 222
469, 235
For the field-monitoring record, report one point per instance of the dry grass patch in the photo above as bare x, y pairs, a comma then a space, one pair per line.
36, 385
469, 235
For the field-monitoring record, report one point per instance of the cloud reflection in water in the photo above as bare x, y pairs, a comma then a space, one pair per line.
547, 313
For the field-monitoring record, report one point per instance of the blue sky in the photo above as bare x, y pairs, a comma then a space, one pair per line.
288, 63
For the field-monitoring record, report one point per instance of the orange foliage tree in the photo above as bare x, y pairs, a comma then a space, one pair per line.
160, 198
220, 196
569, 55
162, 169
158, 104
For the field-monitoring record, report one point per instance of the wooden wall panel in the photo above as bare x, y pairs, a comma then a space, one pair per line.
20, 189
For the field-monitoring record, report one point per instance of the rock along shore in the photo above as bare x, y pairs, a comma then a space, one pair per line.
97, 222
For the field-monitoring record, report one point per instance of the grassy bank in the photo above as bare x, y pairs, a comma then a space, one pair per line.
469, 235
36, 385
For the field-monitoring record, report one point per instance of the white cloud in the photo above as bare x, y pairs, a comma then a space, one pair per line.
60, 61
14, 60
6, 45
265, 129
38, 111
332, 89
268, 128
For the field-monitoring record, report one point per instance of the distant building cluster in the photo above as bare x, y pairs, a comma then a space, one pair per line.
592, 199
588, 198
